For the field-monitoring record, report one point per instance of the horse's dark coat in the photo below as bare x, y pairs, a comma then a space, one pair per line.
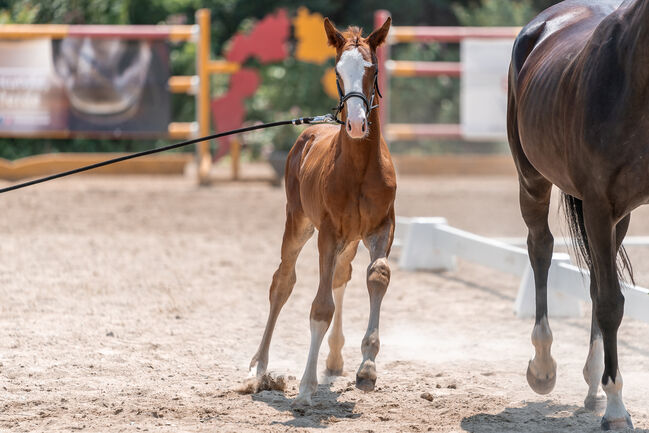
578, 118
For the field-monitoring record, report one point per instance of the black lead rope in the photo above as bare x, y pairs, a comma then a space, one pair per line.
327, 118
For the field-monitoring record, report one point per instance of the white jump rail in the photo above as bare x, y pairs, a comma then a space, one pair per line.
431, 244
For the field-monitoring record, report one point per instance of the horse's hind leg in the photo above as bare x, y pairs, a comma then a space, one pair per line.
594, 367
342, 275
534, 196
535, 204
602, 240
378, 278
298, 230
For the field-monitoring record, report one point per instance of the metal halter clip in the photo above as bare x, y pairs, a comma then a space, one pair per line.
324, 119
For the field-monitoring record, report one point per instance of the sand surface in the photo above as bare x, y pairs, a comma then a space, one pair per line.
135, 304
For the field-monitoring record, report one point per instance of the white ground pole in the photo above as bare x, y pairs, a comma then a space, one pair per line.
431, 244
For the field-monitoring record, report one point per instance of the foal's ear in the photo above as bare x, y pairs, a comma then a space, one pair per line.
379, 35
334, 37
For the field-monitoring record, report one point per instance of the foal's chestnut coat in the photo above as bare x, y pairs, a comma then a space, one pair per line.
339, 180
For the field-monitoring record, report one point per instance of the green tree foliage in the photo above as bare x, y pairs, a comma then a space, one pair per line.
495, 13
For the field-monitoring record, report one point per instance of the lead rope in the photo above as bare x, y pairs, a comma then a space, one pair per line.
327, 118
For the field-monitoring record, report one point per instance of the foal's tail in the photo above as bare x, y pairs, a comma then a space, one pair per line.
575, 216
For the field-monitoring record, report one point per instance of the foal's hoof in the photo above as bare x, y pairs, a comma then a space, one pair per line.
333, 373
595, 403
617, 423
366, 376
257, 366
302, 400
366, 385
541, 382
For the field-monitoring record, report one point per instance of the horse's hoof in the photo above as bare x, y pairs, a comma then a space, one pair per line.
595, 403
617, 423
366, 385
541, 383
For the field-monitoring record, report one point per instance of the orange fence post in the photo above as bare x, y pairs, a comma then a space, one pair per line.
235, 157
203, 95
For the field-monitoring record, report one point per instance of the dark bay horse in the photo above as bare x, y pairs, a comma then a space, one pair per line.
578, 118
341, 181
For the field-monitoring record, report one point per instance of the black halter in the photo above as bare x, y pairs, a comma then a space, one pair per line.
369, 105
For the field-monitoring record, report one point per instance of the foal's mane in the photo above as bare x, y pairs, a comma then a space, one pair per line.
354, 35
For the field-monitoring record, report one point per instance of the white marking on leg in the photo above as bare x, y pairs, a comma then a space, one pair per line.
616, 416
309, 382
542, 369
542, 337
336, 337
593, 370
378, 278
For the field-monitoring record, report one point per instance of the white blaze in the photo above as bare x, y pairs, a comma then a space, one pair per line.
351, 68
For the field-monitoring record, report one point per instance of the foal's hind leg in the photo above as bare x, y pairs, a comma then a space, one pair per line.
602, 239
378, 278
535, 203
342, 275
594, 367
298, 230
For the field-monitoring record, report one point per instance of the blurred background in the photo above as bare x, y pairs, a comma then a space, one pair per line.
133, 303
287, 87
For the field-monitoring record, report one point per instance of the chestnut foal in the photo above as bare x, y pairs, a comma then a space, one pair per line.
341, 181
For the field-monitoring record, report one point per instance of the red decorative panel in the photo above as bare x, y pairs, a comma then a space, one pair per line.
229, 111
267, 41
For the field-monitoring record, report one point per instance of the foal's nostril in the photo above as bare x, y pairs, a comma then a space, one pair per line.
363, 127
349, 126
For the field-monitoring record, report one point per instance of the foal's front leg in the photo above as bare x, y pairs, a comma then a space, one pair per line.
322, 310
378, 278
297, 232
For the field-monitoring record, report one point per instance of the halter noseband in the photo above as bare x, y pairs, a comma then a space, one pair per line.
369, 105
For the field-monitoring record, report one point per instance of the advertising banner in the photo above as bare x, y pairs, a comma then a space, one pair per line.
485, 65
97, 86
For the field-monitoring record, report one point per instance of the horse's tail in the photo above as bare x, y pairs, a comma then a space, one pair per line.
573, 208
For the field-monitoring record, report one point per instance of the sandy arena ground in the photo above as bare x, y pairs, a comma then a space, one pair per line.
135, 304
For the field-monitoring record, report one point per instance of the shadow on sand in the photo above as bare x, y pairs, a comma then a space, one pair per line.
325, 407
536, 417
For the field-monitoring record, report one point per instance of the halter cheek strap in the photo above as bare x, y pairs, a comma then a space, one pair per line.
369, 105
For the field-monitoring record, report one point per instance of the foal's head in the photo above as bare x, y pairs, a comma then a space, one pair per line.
356, 69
